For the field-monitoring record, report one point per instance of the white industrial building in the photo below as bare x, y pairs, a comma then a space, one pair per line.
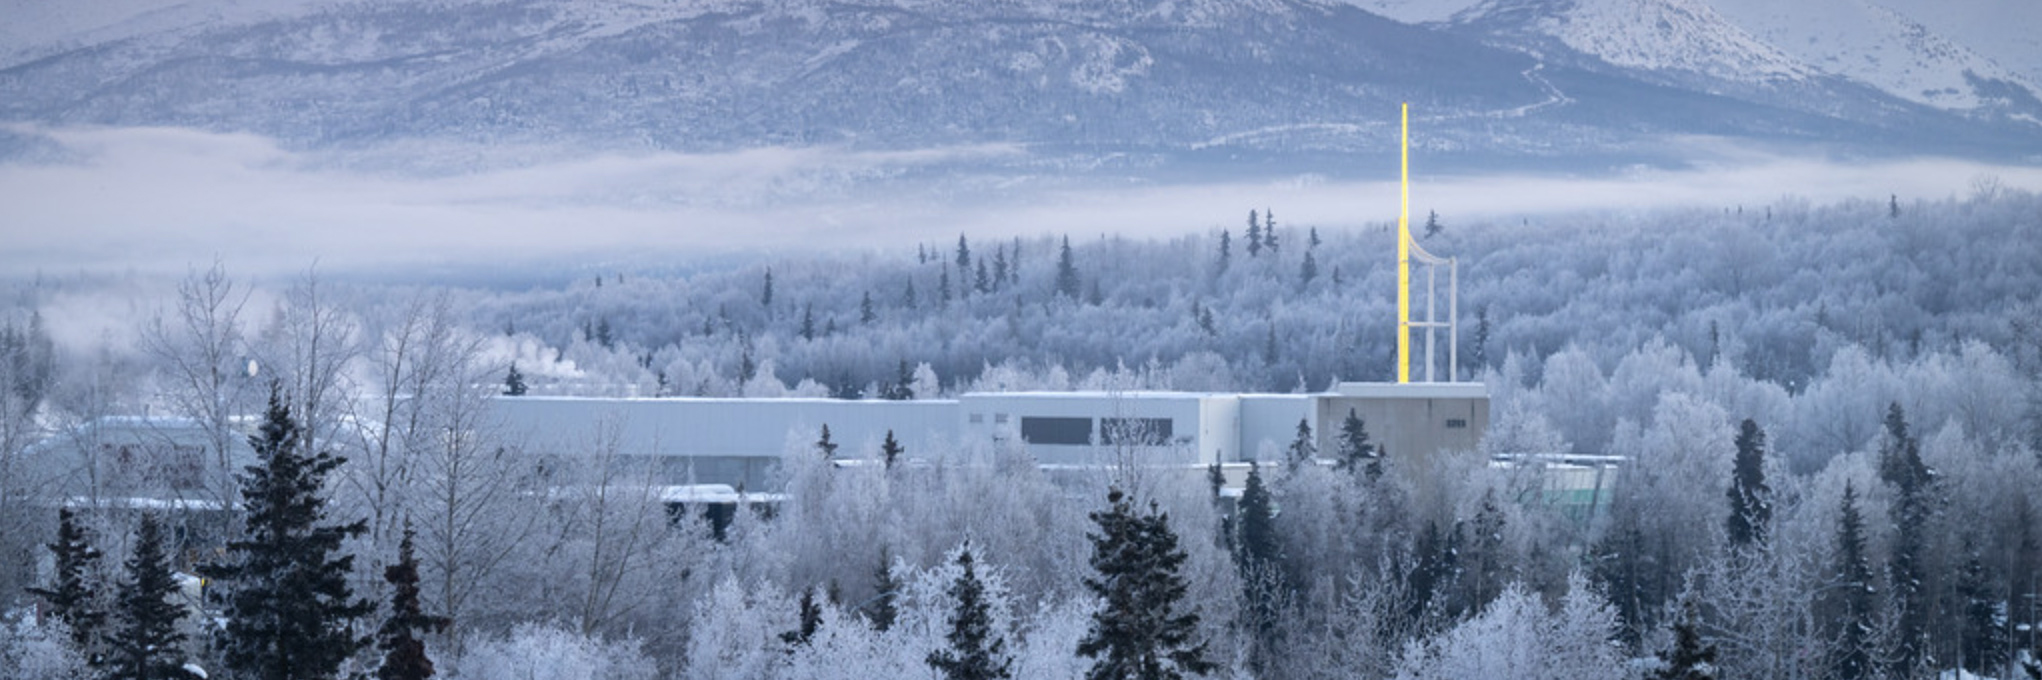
737, 441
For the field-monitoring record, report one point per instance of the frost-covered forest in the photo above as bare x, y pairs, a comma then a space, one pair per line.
1830, 418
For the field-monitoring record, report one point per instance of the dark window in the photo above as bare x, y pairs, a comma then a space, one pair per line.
1137, 431
1056, 430
1456, 424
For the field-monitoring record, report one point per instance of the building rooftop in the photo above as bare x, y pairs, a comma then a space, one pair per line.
1432, 390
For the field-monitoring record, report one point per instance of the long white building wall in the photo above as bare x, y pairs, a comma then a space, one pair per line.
720, 441
1269, 423
1081, 428
738, 441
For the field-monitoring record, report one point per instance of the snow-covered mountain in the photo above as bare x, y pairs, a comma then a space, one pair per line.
1955, 56
1887, 47
1132, 83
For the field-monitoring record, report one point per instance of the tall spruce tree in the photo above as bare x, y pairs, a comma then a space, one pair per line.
1901, 467
809, 620
1751, 505
514, 382
976, 651
1689, 659
404, 655
290, 612
1981, 648
1850, 597
1488, 568
823, 445
71, 598
1139, 631
881, 610
1257, 550
1303, 448
1356, 453
1014, 264
999, 267
891, 449
1307, 270
1226, 251
1066, 271
1269, 230
1254, 234
1478, 351
866, 313
148, 644
1437, 556
1258, 556
903, 386
963, 255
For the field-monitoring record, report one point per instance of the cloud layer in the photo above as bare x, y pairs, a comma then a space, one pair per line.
157, 199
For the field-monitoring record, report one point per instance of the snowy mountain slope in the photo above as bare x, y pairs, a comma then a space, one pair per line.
1227, 84
1874, 44
1739, 45
741, 74
1667, 35
2004, 32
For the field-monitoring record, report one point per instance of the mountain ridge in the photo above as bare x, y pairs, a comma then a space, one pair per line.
1144, 83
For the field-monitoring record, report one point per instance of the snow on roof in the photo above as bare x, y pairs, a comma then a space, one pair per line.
142, 503
721, 400
1422, 390
1132, 394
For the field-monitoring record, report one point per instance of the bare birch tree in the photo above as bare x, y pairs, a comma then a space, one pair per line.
307, 347
204, 366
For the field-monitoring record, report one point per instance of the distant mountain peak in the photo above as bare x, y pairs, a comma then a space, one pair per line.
1686, 36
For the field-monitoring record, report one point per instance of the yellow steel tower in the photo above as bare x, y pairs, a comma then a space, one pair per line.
1407, 250
1404, 258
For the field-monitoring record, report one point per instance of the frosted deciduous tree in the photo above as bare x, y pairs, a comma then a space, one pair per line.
612, 554
443, 463
307, 346
26, 373
737, 633
1516, 637
536, 651
41, 651
203, 358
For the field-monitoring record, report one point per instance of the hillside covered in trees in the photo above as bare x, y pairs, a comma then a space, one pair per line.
1830, 417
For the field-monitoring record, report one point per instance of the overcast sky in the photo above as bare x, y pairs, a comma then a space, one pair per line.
162, 199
